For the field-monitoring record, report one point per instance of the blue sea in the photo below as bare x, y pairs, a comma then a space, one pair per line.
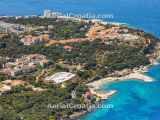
136, 100
144, 14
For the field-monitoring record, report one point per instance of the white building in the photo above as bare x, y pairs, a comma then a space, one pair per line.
51, 14
47, 13
60, 77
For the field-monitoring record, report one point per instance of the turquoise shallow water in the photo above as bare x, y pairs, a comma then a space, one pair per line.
136, 100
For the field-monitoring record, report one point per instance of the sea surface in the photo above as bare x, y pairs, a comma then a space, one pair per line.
136, 100
144, 14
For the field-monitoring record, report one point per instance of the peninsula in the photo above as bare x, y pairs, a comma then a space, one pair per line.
53, 59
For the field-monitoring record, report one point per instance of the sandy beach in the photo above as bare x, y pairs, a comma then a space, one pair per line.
136, 73
97, 84
138, 76
95, 87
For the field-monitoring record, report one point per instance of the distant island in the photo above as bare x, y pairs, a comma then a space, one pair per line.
55, 59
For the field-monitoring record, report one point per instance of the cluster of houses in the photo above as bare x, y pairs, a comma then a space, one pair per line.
31, 40
59, 15
114, 32
13, 28
7, 85
25, 64
44, 38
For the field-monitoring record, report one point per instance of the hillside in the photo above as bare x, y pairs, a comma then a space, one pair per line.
89, 50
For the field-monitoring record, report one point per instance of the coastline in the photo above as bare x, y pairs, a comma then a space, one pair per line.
95, 87
97, 84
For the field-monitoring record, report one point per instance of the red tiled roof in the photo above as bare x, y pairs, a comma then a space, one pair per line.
68, 47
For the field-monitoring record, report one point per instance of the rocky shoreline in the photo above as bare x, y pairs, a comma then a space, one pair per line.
137, 73
95, 87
